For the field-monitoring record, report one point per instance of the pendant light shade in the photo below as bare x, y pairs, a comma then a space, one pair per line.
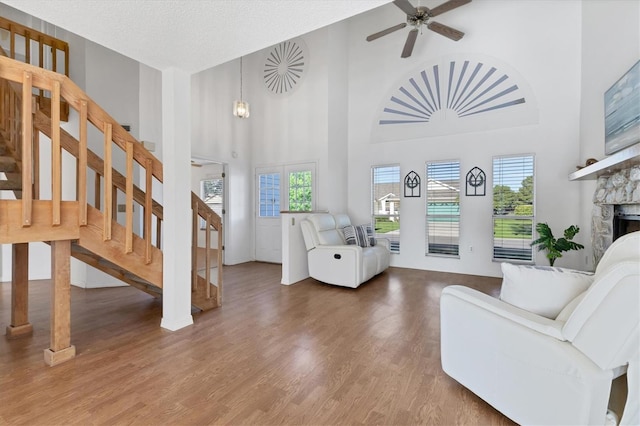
241, 108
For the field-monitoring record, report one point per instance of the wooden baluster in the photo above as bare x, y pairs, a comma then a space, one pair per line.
108, 194
2, 104
82, 164
36, 165
194, 246
41, 65
129, 200
27, 156
207, 260
56, 154
96, 190
54, 59
220, 248
66, 60
158, 233
148, 206
114, 201
27, 47
12, 119
12, 43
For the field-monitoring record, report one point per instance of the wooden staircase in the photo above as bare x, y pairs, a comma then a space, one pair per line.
85, 225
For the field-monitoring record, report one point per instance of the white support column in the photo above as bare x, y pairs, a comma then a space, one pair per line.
176, 195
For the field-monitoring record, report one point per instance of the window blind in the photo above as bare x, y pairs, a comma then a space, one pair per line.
513, 207
443, 208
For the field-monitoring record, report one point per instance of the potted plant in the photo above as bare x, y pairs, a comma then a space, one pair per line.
553, 246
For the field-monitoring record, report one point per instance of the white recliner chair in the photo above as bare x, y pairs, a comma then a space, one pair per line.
332, 260
537, 370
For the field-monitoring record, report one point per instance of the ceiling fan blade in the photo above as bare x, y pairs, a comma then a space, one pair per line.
408, 45
445, 7
446, 31
387, 31
405, 6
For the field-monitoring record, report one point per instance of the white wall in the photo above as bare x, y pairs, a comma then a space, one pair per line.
547, 60
218, 135
610, 47
330, 118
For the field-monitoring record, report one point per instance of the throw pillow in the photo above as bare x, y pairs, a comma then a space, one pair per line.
542, 290
361, 235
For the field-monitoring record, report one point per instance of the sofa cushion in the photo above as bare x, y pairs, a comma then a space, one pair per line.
326, 232
542, 290
361, 235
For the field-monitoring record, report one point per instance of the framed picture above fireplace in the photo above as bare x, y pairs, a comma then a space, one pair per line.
622, 112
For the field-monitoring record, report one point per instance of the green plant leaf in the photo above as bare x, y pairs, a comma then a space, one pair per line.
554, 247
571, 232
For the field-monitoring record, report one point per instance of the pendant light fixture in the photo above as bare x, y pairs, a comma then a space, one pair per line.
241, 108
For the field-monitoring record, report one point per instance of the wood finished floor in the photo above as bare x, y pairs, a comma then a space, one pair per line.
307, 354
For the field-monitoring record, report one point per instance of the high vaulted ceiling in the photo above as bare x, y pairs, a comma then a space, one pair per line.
191, 35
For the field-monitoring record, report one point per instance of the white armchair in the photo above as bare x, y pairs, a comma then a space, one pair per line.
537, 370
332, 260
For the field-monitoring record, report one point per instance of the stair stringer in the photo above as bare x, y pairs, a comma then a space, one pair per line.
91, 239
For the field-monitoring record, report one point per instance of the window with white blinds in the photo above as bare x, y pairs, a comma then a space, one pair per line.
443, 208
513, 207
385, 204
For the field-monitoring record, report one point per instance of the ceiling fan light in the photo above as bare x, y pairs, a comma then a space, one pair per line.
241, 109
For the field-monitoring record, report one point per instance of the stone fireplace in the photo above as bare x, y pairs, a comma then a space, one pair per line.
616, 208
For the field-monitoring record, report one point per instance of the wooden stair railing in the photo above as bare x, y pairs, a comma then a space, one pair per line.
49, 54
89, 220
201, 256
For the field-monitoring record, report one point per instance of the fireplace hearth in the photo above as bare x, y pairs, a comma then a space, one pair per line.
616, 209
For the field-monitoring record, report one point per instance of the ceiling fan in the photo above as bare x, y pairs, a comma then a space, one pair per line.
421, 15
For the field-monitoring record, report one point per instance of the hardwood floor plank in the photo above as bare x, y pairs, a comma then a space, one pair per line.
309, 354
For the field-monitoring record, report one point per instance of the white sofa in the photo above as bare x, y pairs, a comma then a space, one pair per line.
537, 370
332, 260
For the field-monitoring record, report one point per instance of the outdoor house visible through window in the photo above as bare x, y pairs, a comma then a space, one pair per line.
513, 207
385, 203
443, 208
269, 194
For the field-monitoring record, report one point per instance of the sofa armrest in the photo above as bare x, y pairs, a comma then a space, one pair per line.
383, 242
527, 319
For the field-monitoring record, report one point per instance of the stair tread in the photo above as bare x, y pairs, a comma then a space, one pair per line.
7, 163
8, 185
12, 181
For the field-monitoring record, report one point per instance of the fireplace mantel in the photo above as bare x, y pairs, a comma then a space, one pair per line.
607, 166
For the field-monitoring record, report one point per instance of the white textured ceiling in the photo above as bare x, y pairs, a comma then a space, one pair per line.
192, 35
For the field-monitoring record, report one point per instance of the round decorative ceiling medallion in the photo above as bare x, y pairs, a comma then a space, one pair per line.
284, 66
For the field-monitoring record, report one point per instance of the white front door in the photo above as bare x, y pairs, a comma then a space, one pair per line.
268, 228
280, 188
